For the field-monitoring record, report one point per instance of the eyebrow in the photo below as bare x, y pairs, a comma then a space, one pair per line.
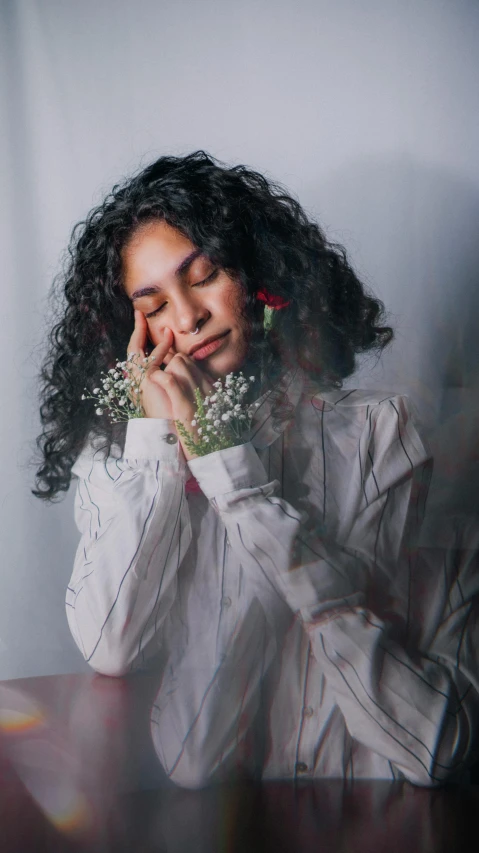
179, 272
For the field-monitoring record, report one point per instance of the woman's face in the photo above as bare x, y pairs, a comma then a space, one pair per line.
174, 285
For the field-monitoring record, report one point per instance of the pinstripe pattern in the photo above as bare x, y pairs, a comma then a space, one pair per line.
293, 576
376, 720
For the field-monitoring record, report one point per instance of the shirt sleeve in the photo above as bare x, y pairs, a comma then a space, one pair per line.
416, 705
135, 529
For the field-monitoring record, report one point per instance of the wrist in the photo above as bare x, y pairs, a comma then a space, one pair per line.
229, 469
153, 439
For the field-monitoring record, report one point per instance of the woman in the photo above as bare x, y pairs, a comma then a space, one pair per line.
298, 631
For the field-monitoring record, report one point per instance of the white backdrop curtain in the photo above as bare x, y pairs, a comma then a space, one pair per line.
367, 111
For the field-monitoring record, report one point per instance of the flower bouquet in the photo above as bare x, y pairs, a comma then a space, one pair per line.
220, 418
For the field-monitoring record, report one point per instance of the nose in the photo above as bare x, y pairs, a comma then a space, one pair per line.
190, 314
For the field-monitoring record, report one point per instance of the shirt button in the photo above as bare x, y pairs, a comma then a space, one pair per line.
227, 601
301, 767
171, 438
308, 711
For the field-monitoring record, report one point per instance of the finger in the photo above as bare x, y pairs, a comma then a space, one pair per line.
137, 341
178, 388
136, 347
184, 369
199, 378
158, 354
169, 355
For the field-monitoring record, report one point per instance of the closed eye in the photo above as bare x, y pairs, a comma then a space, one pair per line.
206, 280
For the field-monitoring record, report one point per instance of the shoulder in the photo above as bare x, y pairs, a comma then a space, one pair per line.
367, 405
384, 421
359, 398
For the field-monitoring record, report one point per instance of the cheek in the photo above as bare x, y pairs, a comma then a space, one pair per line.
243, 340
233, 299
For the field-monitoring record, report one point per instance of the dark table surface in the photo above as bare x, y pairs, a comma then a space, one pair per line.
78, 772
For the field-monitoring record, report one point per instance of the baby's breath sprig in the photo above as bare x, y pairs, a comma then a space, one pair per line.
120, 395
220, 419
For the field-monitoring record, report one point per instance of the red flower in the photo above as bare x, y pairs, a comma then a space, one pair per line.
270, 300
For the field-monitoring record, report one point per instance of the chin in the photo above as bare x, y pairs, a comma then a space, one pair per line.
222, 366
230, 361
219, 372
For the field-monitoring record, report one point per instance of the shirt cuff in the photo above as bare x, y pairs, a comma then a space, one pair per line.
154, 439
225, 470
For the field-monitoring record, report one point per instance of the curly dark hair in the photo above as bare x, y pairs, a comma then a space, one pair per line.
247, 225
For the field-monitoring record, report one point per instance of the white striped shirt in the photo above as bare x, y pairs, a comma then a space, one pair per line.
301, 633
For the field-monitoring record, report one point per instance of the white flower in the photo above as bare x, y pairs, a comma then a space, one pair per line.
121, 395
251, 379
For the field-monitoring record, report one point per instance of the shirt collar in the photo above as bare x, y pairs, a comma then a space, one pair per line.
262, 432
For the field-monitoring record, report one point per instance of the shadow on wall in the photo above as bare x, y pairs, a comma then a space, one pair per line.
416, 244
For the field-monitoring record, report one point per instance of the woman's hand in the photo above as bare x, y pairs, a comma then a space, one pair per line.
155, 401
169, 393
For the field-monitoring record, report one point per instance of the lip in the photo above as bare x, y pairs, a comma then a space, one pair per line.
207, 347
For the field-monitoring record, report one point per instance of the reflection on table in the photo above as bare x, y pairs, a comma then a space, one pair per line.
78, 771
